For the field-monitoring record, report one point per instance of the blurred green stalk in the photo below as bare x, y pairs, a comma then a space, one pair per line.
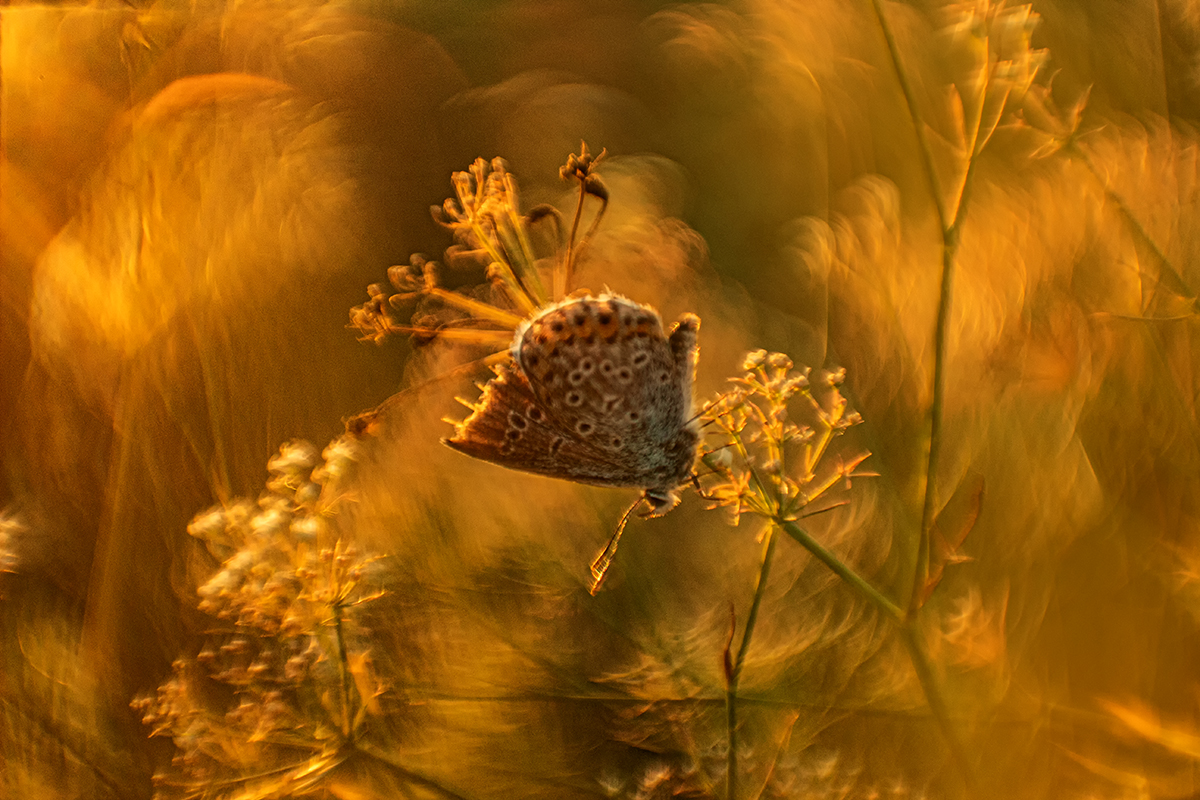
733, 669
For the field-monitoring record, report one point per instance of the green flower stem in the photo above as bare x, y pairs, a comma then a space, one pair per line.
937, 704
739, 660
890, 609
929, 501
950, 238
759, 591
908, 634
921, 561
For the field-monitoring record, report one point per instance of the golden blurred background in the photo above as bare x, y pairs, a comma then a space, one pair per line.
193, 195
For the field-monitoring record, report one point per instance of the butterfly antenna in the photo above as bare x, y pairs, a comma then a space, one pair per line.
604, 560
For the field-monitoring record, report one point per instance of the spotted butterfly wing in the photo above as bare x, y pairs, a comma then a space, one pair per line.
508, 427
599, 394
604, 370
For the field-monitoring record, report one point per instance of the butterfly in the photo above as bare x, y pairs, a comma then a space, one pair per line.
597, 392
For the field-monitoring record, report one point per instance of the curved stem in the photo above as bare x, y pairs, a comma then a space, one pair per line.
950, 230
929, 499
562, 277
591, 231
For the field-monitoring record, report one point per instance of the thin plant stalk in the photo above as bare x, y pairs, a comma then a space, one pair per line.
734, 671
526, 247
933, 696
840, 568
562, 279
591, 231
913, 110
582, 169
950, 230
481, 310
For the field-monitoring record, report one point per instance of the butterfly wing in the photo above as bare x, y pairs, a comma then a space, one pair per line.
509, 426
608, 376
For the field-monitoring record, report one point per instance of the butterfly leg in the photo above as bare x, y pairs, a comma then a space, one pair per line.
604, 560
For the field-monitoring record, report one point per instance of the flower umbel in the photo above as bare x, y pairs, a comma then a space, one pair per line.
493, 239
768, 463
284, 685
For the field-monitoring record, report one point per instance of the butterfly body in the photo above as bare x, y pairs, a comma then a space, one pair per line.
598, 393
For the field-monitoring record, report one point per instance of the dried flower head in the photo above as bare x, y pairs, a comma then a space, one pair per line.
582, 168
764, 461
493, 239
284, 683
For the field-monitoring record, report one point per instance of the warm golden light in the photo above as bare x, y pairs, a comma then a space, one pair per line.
940, 538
